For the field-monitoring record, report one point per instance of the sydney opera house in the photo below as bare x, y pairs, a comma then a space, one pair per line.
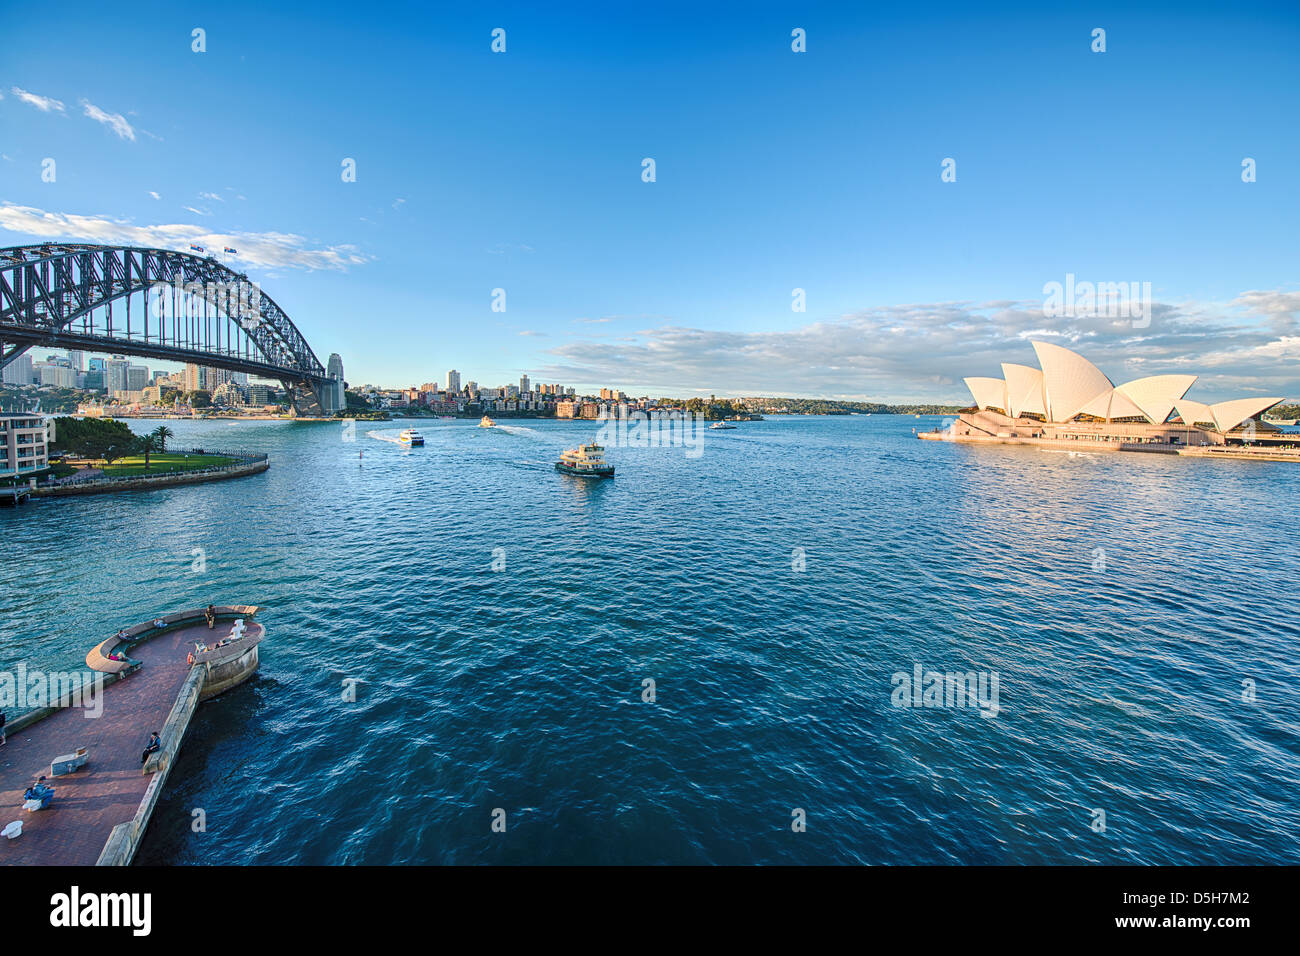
1068, 400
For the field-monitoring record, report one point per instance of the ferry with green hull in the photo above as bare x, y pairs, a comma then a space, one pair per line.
585, 461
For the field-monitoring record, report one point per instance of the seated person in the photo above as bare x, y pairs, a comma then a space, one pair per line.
152, 747
159, 622
40, 791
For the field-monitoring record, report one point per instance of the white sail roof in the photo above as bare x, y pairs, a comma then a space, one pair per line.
1192, 412
1024, 390
1155, 395
1071, 382
1070, 385
1228, 415
988, 392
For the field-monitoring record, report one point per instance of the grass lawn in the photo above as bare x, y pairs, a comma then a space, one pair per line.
158, 464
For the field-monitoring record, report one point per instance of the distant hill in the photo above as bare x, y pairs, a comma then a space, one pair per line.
826, 406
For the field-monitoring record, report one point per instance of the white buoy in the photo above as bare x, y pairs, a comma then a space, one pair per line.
14, 830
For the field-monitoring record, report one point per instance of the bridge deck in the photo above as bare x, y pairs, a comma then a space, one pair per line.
107, 790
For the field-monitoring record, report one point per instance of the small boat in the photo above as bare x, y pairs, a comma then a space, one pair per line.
585, 461
410, 436
721, 426
486, 422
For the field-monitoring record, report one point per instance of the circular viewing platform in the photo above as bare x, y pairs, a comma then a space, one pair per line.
145, 679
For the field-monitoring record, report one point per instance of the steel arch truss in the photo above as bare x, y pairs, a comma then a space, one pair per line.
62, 295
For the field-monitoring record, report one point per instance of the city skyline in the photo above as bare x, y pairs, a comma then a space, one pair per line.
778, 171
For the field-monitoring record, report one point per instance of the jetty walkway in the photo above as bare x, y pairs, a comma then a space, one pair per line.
101, 810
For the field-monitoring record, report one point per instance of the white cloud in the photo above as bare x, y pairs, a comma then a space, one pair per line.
213, 196
154, 194
264, 249
197, 212
921, 352
114, 121
42, 103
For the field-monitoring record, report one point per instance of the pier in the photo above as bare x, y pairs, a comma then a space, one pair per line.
153, 680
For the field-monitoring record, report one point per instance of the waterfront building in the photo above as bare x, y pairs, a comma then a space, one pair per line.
453, 380
524, 385
22, 444
1068, 399
228, 394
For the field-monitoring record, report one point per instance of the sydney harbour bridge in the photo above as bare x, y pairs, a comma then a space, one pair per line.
187, 308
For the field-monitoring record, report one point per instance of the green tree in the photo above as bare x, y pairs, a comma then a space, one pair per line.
162, 433
103, 438
148, 443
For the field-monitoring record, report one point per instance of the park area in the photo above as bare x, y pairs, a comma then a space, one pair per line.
163, 462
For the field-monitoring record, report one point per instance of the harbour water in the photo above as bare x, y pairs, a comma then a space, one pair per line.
500, 619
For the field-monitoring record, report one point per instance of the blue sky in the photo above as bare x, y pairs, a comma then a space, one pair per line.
775, 170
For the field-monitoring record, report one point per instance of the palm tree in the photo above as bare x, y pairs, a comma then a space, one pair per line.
148, 443
162, 433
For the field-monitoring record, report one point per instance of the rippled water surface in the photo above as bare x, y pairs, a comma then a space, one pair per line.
1120, 670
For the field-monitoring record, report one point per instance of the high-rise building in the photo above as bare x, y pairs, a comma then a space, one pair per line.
96, 365
523, 385
115, 374
60, 376
137, 377
19, 371
75, 359
453, 380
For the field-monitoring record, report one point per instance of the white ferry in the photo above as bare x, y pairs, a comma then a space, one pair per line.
585, 461
486, 422
410, 436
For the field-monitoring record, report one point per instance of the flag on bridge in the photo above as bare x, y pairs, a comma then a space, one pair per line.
194, 248
231, 251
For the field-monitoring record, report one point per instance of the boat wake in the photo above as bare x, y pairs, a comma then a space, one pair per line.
518, 430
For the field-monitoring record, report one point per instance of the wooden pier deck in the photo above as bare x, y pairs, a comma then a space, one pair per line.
109, 789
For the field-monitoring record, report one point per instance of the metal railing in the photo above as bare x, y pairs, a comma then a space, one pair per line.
241, 459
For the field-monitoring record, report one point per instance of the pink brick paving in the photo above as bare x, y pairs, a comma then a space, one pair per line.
107, 790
